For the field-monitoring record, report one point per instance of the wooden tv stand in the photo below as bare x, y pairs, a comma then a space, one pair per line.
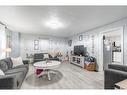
80, 61
77, 60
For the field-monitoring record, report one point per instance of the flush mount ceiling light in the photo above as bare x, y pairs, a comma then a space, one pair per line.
54, 23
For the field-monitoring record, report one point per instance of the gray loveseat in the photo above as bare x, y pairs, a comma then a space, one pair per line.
14, 76
114, 73
40, 57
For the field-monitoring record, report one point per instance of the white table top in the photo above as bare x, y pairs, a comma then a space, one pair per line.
48, 65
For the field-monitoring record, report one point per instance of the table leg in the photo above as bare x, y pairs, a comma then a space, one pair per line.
53, 72
49, 77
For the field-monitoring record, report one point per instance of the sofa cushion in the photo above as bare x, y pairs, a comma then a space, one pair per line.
23, 66
8, 62
15, 70
3, 66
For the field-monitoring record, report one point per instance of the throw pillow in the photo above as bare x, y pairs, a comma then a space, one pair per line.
3, 66
8, 61
17, 61
46, 56
53, 54
1, 72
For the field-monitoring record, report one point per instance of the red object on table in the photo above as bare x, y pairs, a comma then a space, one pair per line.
38, 71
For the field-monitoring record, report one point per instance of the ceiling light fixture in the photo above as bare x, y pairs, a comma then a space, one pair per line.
54, 23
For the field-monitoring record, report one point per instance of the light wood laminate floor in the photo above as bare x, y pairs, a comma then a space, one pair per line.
73, 77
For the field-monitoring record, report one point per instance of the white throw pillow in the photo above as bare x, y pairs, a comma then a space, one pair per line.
1, 72
46, 56
17, 61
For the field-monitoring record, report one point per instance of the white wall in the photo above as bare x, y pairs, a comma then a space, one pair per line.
97, 32
27, 41
27, 44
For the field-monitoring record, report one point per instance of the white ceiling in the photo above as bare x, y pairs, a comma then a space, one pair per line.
76, 19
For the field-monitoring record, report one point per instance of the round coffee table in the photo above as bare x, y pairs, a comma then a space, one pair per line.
47, 67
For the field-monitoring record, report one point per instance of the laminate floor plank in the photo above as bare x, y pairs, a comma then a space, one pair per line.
73, 77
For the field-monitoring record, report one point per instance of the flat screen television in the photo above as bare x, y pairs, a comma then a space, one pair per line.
80, 50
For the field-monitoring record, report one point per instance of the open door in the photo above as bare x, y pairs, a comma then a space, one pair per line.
112, 47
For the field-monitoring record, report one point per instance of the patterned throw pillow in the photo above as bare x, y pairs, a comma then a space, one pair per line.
17, 61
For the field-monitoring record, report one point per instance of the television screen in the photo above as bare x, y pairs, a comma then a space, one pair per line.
76, 50
80, 50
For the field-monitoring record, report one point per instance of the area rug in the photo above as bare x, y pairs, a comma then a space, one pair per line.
43, 80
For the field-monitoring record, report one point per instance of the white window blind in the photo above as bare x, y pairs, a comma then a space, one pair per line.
44, 45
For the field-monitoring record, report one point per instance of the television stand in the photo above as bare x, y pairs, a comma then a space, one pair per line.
77, 60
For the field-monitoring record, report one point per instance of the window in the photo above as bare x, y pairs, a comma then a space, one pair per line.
44, 45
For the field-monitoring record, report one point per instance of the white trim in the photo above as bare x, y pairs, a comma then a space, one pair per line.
122, 43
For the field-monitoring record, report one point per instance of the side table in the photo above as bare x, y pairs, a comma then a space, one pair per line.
121, 84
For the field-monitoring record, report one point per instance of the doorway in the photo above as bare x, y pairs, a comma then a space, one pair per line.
112, 45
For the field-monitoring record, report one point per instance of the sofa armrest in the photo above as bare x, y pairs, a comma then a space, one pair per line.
7, 82
118, 67
112, 76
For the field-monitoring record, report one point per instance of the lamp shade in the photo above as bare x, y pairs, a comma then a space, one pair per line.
7, 50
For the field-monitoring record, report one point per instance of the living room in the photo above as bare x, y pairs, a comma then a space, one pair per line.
73, 38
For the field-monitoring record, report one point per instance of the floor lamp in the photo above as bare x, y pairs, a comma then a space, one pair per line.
7, 51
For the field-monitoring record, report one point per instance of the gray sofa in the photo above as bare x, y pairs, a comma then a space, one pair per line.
40, 57
114, 73
14, 76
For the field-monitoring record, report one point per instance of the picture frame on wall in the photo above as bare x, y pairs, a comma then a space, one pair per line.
36, 47
80, 37
36, 44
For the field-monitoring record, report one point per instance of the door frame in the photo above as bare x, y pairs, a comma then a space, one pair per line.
121, 28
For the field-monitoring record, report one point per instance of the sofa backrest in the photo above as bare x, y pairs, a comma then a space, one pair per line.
8, 62
38, 56
118, 67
